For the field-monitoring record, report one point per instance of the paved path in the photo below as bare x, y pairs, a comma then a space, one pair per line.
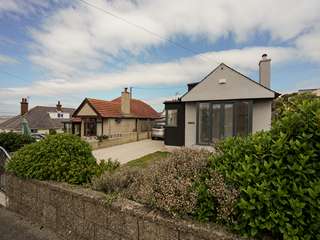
14, 227
129, 151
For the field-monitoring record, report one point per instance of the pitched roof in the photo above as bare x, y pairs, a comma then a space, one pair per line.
253, 83
138, 108
38, 118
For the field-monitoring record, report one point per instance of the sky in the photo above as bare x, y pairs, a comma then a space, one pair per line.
67, 50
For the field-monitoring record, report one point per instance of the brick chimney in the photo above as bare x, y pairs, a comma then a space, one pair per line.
265, 71
59, 107
125, 102
23, 106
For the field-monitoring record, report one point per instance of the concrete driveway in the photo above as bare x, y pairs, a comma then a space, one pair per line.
129, 151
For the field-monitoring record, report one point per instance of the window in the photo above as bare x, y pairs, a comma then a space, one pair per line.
228, 120
204, 123
216, 116
217, 120
68, 127
242, 118
90, 127
172, 117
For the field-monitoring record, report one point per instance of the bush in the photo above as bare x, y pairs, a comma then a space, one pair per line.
278, 175
116, 181
52, 131
169, 184
289, 102
11, 142
60, 157
107, 166
165, 184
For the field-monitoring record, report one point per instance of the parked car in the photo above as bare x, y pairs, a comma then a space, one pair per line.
38, 136
158, 131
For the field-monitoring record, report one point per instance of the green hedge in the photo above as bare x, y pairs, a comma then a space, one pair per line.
11, 142
278, 175
60, 157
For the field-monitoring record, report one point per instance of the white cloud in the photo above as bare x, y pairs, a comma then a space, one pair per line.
309, 45
175, 72
78, 42
22, 7
7, 60
81, 37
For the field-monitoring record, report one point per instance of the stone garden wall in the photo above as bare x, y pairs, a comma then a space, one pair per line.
74, 212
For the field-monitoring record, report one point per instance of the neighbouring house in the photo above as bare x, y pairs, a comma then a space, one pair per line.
118, 118
225, 103
41, 119
315, 91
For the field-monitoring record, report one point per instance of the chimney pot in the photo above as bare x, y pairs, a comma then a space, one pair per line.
59, 107
24, 106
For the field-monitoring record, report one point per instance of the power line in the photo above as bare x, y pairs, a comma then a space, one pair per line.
147, 30
156, 88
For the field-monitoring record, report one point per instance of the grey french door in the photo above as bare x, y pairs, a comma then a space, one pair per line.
218, 120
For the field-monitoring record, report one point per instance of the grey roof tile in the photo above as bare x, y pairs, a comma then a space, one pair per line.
38, 118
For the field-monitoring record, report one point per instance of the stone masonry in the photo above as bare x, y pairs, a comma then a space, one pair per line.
78, 213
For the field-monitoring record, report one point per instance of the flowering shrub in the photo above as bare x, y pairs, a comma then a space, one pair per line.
168, 184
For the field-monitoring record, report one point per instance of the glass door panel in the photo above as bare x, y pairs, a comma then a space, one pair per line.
228, 120
242, 118
204, 124
216, 115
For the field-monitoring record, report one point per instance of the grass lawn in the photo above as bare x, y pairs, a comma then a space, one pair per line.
147, 159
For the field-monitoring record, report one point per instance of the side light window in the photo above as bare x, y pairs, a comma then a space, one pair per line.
172, 117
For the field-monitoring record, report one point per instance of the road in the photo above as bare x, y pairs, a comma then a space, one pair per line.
14, 227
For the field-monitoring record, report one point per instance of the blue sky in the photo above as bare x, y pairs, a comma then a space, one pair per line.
64, 50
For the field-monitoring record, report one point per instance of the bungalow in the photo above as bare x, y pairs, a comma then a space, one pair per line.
41, 119
116, 118
225, 103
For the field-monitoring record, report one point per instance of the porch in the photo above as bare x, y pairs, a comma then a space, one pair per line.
106, 132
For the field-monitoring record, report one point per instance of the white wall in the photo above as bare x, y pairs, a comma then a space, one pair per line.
190, 129
63, 115
261, 119
261, 115
235, 86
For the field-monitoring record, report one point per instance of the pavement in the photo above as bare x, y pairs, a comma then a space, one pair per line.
15, 227
129, 151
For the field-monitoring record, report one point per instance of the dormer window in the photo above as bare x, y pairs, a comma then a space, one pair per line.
59, 115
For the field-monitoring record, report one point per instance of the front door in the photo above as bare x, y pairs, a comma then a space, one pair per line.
90, 127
